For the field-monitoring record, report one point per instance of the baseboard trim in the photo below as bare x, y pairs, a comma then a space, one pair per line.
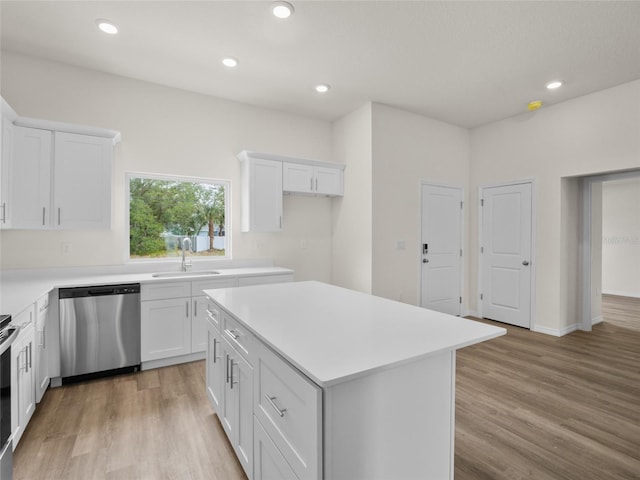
165, 362
598, 319
555, 331
470, 313
618, 293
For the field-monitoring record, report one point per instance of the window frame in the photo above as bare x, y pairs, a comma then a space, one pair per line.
177, 178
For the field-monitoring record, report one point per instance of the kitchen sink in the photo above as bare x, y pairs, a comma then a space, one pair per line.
194, 273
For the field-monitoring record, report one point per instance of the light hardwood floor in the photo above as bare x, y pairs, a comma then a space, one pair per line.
621, 311
528, 406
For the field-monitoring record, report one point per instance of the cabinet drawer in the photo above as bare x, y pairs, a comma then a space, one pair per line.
289, 407
238, 336
164, 290
262, 279
197, 286
213, 313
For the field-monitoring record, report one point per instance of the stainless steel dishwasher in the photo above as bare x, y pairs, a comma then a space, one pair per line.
99, 330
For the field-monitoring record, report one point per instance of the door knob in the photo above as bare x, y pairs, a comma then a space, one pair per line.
525, 262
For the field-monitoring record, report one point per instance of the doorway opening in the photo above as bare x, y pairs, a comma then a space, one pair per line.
610, 258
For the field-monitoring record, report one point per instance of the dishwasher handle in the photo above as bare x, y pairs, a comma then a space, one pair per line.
99, 290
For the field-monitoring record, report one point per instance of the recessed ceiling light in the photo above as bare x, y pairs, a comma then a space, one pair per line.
322, 88
553, 85
107, 26
230, 62
282, 9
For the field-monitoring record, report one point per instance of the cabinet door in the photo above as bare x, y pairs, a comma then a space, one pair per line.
244, 391
82, 182
199, 324
29, 175
261, 195
27, 383
17, 365
43, 334
237, 406
328, 181
7, 154
165, 328
22, 383
229, 413
215, 368
269, 462
297, 177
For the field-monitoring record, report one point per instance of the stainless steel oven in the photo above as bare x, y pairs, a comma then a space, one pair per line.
8, 334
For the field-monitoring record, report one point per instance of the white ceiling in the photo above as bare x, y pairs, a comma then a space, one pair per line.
466, 63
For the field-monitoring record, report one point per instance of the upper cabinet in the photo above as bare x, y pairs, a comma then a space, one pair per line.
55, 175
266, 177
82, 182
6, 150
261, 194
310, 179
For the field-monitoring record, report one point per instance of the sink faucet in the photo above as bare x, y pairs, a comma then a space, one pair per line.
186, 244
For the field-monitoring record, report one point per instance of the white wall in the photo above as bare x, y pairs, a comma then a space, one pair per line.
596, 252
352, 230
592, 134
408, 149
168, 131
621, 237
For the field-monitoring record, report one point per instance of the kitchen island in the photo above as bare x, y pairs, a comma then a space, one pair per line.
313, 381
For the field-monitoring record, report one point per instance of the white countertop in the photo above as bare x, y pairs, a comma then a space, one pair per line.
19, 290
332, 334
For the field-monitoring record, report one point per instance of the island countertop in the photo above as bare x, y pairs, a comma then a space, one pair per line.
333, 334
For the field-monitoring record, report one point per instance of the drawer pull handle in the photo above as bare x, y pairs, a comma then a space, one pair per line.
232, 333
227, 368
273, 404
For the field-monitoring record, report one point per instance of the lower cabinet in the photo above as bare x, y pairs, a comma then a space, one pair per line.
165, 328
236, 409
270, 412
173, 319
215, 365
269, 462
44, 339
23, 398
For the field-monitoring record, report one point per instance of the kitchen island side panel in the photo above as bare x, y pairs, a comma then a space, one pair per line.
394, 424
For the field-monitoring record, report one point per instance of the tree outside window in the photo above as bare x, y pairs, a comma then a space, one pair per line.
165, 210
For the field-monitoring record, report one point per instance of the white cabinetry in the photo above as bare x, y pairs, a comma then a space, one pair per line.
289, 408
29, 171
6, 151
268, 462
44, 340
261, 194
165, 328
173, 322
310, 179
215, 365
262, 279
23, 401
230, 382
58, 180
266, 177
82, 182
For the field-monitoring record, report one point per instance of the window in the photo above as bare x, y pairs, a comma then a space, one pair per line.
164, 210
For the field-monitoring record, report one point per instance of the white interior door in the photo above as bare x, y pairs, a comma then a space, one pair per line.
441, 249
506, 254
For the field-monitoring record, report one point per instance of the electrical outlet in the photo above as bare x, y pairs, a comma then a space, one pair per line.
65, 248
